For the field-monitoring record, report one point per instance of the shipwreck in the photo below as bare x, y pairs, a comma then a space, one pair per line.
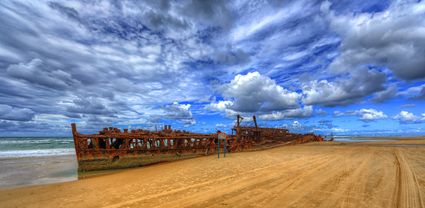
112, 148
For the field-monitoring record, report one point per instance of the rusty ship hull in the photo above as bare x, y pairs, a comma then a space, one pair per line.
112, 148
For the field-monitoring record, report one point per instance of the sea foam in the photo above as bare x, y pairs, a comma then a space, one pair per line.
36, 153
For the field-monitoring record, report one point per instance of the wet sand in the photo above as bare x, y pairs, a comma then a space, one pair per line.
24, 171
329, 174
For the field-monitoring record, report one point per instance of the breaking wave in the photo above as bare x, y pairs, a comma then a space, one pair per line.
36, 153
35, 146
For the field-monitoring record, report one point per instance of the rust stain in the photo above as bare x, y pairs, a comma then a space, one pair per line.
112, 148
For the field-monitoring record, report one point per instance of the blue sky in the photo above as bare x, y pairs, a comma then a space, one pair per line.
341, 67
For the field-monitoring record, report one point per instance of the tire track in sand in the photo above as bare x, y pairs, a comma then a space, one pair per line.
185, 189
407, 192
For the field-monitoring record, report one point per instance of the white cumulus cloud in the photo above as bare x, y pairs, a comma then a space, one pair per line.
417, 92
408, 117
394, 38
303, 112
364, 114
15, 114
179, 112
255, 92
343, 91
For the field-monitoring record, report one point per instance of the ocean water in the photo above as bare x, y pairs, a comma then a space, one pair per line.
360, 139
28, 161
12, 147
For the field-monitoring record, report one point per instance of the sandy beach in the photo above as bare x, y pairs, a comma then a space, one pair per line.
329, 174
24, 171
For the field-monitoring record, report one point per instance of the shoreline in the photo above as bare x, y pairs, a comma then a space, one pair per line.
52, 174
385, 137
29, 171
309, 175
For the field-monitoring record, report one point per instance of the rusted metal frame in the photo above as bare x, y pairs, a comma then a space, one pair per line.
95, 144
